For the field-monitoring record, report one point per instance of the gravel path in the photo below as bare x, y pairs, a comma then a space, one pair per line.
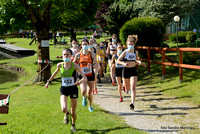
154, 112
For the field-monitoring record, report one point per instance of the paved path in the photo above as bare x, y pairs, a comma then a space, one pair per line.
154, 112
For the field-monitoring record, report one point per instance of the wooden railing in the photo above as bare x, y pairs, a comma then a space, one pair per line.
171, 62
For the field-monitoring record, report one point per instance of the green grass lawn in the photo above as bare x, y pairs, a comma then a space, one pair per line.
34, 109
188, 90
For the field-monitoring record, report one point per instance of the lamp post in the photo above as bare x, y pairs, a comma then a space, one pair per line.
176, 19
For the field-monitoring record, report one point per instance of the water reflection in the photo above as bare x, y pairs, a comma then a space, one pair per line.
6, 76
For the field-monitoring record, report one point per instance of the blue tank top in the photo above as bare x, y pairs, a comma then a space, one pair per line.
117, 65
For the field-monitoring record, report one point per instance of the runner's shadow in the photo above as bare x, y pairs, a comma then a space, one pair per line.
108, 96
155, 108
147, 114
162, 99
164, 89
160, 131
148, 95
101, 131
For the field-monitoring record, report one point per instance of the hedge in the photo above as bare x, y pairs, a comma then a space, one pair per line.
150, 32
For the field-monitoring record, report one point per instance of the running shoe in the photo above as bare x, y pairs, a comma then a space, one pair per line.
113, 83
121, 99
129, 91
132, 106
91, 109
84, 101
73, 129
66, 119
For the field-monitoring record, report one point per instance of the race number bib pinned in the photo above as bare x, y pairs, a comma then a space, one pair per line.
66, 82
87, 70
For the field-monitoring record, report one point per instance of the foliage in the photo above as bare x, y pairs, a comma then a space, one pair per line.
181, 37
13, 17
190, 57
191, 36
103, 8
149, 30
64, 14
166, 9
118, 14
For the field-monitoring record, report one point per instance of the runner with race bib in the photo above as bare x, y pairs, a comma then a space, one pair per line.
87, 62
68, 86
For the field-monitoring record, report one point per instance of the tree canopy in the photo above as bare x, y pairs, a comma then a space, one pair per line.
165, 9
118, 13
64, 14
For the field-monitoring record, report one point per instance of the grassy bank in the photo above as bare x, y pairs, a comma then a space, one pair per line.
33, 109
187, 90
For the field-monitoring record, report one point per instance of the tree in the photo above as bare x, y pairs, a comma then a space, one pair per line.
103, 9
75, 14
166, 9
62, 14
118, 14
12, 19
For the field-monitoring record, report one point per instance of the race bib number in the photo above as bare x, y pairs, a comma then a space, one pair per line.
100, 58
87, 70
66, 82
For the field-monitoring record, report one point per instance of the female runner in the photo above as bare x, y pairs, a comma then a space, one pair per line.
69, 85
112, 50
88, 62
75, 49
101, 60
118, 70
129, 74
94, 48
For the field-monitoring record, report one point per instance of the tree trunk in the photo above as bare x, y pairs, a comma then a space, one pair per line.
41, 22
73, 35
43, 54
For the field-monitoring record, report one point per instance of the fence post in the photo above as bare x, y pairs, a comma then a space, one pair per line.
180, 68
149, 58
163, 66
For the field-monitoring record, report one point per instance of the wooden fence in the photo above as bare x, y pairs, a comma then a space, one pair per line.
171, 62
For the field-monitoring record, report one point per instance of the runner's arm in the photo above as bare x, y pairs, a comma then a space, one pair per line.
84, 78
121, 57
108, 49
97, 51
94, 60
139, 62
53, 75
76, 57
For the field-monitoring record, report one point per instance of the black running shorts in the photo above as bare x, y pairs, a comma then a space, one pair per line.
71, 91
129, 72
118, 71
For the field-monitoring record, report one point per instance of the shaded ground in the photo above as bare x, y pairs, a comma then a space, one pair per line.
154, 112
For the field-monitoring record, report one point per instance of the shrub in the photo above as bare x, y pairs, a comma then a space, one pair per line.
150, 32
181, 37
191, 36
172, 38
190, 57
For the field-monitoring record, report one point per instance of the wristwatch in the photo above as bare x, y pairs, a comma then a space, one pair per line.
48, 80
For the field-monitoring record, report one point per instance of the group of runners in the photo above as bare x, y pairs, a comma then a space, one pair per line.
89, 61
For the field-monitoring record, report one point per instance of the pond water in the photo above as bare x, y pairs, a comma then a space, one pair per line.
6, 75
